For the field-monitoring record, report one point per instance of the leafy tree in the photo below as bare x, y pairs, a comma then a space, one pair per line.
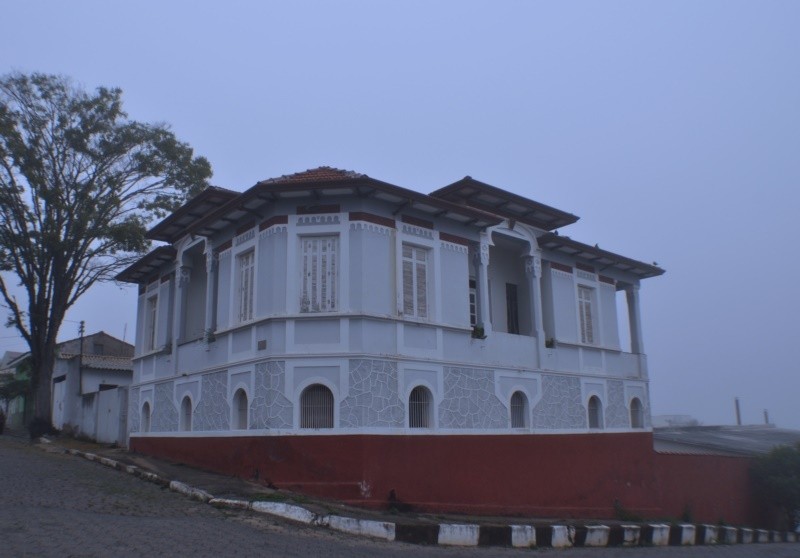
777, 480
79, 182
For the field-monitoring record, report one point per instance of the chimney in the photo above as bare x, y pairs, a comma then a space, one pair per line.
738, 413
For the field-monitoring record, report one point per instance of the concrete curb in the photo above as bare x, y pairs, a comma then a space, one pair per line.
455, 534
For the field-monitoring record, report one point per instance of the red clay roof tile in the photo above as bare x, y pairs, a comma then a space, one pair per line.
319, 174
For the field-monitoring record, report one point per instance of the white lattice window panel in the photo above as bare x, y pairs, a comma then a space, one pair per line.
586, 314
318, 273
415, 281
316, 407
246, 285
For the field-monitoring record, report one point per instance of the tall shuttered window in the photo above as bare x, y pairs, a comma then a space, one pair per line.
246, 288
150, 323
316, 407
318, 270
586, 314
415, 281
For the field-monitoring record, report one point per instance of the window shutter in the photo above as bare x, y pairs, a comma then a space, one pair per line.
422, 283
246, 286
318, 288
408, 287
585, 311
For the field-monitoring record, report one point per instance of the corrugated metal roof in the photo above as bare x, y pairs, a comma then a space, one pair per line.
723, 440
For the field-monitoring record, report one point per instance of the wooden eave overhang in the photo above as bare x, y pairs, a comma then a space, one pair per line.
488, 198
210, 199
602, 259
253, 201
148, 266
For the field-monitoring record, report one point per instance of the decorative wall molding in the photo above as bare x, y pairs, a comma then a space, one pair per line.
321, 219
246, 236
371, 227
417, 231
274, 229
455, 247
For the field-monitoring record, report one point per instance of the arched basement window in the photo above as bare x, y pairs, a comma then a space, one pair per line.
595, 412
637, 414
186, 414
146, 417
420, 404
316, 407
240, 410
519, 410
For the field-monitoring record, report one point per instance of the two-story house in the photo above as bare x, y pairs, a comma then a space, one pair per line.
319, 328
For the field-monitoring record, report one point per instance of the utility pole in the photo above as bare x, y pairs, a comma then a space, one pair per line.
81, 330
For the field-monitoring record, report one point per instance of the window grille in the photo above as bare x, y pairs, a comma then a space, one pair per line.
146, 417
318, 273
247, 266
316, 407
519, 410
419, 408
585, 296
240, 410
595, 412
186, 414
415, 281
637, 413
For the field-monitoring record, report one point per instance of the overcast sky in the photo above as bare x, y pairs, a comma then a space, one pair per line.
671, 128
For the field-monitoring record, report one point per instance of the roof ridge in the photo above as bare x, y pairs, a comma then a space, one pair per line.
322, 173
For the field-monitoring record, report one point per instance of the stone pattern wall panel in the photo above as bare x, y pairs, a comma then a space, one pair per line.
213, 411
373, 398
270, 407
133, 410
560, 405
165, 415
469, 400
616, 412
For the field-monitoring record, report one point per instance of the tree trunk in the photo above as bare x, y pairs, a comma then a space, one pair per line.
42, 376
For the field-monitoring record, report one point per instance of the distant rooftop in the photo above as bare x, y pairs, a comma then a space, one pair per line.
723, 440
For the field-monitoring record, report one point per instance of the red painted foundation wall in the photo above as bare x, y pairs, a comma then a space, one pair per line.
709, 488
562, 476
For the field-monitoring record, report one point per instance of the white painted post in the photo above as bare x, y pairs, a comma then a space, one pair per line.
596, 535
458, 535
660, 534
710, 534
688, 534
523, 536
631, 535
562, 536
